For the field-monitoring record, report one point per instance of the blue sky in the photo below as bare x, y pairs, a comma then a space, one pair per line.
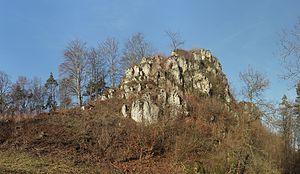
34, 33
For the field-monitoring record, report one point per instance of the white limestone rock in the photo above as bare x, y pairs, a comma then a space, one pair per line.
144, 111
125, 111
174, 99
158, 83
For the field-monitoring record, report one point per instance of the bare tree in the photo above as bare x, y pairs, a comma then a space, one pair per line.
175, 40
5, 85
96, 73
135, 49
37, 96
253, 90
110, 52
290, 52
74, 68
65, 93
255, 85
96, 65
20, 96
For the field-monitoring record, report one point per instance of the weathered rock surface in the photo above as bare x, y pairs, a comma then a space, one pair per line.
158, 84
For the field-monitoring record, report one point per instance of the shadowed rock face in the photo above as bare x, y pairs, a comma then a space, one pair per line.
159, 83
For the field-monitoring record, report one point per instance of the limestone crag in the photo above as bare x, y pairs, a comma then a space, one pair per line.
158, 84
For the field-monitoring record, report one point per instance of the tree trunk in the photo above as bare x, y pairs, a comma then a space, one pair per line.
78, 88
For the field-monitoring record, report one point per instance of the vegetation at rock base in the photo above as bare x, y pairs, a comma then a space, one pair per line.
210, 140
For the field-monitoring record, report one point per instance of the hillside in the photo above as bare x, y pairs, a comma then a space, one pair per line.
169, 115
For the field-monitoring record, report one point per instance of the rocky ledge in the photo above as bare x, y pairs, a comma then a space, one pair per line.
158, 85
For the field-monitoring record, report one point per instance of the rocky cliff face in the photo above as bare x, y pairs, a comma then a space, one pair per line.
158, 84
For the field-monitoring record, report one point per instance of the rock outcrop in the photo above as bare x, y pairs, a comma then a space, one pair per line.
158, 84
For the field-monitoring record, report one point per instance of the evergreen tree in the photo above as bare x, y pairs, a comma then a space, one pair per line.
286, 131
297, 118
51, 88
96, 73
95, 88
18, 96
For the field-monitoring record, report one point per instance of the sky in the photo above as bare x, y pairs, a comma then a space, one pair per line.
34, 33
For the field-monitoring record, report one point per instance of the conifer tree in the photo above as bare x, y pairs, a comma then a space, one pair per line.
51, 88
96, 73
286, 131
297, 118
20, 96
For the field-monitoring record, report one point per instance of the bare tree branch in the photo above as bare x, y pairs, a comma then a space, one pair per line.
175, 40
74, 67
135, 49
109, 50
290, 52
255, 84
5, 85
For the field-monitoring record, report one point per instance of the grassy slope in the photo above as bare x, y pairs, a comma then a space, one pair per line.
52, 143
20, 162
102, 141
75, 142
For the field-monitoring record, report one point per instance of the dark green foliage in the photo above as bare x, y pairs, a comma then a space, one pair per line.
51, 88
297, 115
94, 89
18, 96
286, 131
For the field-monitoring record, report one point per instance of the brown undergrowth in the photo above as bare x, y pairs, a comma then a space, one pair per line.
211, 139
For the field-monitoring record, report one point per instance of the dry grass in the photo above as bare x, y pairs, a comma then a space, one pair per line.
20, 162
210, 140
